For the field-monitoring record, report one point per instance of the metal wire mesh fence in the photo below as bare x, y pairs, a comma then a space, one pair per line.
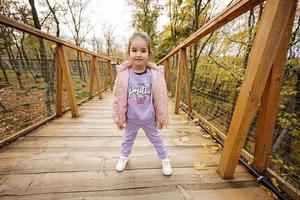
28, 80
218, 75
285, 156
80, 68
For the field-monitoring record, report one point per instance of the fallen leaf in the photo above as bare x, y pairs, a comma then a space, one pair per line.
207, 136
185, 139
181, 132
195, 120
274, 181
214, 148
199, 165
204, 145
185, 122
250, 162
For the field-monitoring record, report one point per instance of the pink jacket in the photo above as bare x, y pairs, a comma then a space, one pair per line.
159, 91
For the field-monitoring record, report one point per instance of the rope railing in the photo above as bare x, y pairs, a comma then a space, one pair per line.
37, 86
270, 146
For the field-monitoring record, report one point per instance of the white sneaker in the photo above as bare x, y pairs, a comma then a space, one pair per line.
121, 165
166, 167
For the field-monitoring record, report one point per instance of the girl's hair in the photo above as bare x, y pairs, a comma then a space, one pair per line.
142, 35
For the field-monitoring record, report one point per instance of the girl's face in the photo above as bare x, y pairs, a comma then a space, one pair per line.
138, 52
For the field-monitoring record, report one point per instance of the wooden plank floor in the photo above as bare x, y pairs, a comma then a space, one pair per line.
75, 159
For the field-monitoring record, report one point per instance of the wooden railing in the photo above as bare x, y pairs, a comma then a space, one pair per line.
261, 84
63, 71
64, 83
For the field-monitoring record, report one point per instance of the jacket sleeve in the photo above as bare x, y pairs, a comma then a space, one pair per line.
164, 101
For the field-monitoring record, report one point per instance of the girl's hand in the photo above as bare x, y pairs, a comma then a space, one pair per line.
161, 125
120, 126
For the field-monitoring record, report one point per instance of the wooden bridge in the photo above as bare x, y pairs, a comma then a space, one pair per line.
75, 159
73, 155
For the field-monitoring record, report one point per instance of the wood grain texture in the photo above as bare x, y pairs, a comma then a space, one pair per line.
63, 161
269, 102
63, 64
262, 57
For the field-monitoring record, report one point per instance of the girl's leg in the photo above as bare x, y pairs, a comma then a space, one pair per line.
153, 135
129, 136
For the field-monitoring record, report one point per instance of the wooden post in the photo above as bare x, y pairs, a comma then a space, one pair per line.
92, 75
187, 81
179, 80
269, 103
266, 44
63, 63
97, 75
167, 71
110, 74
58, 87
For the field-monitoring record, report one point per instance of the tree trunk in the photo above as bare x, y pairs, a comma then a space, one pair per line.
3, 70
14, 67
44, 63
26, 58
20, 53
251, 25
297, 97
79, 66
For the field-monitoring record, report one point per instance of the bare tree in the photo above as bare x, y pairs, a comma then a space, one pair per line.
199, 8
109, 38
78, 25
97, 44
53, 9
43, 55
2, 68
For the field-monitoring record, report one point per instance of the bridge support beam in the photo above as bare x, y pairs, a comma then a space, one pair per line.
269, 102
179, 80
95, 75
271, 31
62, 64
111, 79
167, 71
182, 66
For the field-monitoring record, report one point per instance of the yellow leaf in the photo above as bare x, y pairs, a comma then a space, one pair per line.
204, 145
199, 166
185, 139
207, 136
53, 46
195, 120
186, 122
286, 167
250, 162
214, 149
274, 181
274, 161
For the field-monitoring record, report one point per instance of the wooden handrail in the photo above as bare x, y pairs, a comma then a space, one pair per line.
241, 118
63, 65
233, 11
29, 29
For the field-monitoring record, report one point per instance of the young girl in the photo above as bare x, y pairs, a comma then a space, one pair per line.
140, 100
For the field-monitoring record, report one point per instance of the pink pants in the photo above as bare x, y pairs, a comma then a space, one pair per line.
152, 133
